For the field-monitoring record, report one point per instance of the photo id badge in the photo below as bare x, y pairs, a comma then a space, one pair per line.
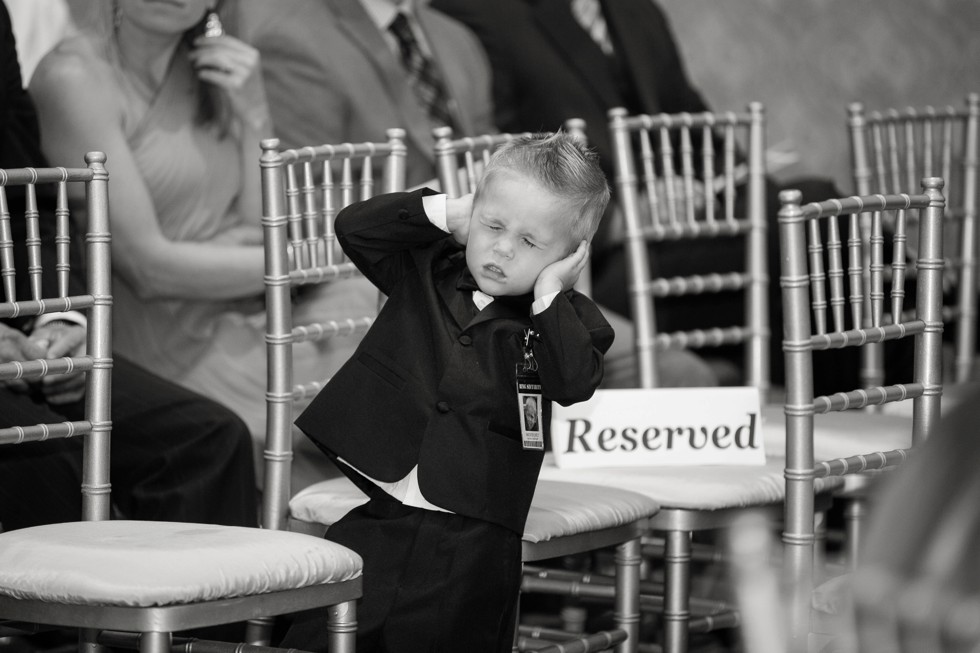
529, 405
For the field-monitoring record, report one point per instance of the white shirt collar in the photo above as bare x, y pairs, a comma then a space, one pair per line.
382, 12
481, 299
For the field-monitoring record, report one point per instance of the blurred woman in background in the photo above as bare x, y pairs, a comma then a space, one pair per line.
178, 105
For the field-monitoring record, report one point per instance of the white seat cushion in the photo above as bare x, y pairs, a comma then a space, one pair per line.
326, 502
841, 434
691, 487
558, 509
143, 563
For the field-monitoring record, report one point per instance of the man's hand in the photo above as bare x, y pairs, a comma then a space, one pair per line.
15, 346
562, 274
458, 212
54, 340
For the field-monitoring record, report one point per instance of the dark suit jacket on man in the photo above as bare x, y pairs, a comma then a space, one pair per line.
547, 69
331, 77
433, 383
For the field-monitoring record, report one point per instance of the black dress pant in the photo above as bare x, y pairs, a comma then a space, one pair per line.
175, 456
433, 581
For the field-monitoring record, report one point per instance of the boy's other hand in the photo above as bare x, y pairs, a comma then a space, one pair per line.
458, 211
562, 274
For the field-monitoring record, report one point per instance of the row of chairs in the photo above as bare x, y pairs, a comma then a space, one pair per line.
298, 209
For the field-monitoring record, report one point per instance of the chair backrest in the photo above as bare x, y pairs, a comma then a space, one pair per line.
460, 163
668, 191
45, 290
834, 295
893, 149
302, 191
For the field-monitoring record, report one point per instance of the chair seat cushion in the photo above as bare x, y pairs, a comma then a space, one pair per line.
561, 509
692, 487
841, 434
143, 563
326, 502
557, 509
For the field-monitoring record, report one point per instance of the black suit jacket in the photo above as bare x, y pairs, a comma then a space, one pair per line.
547, 69
433, 383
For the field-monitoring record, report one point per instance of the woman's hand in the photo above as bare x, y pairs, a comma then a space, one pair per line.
233, 65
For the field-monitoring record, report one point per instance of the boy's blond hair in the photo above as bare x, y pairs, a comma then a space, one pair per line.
562, 166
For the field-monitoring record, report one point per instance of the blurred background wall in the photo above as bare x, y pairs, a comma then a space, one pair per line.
806, 60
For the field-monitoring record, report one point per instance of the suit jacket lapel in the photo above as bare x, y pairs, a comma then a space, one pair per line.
353, 20
459, 302
556, 21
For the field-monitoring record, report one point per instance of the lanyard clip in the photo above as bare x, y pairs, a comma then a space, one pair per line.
530, 365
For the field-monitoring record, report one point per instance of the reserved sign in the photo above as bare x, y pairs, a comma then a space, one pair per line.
662, 426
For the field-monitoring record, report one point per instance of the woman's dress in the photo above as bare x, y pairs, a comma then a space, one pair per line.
215, 347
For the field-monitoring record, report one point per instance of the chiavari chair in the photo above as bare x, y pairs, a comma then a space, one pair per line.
894, 149
671, 191
123, 582
697, 498
302, 191
682, 206
825, 308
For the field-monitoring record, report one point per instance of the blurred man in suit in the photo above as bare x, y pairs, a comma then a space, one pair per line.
339, 71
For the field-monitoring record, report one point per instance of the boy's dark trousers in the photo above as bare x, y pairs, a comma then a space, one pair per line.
433, 581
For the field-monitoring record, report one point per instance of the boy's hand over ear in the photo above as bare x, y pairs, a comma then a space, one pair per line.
562, 275
458, 211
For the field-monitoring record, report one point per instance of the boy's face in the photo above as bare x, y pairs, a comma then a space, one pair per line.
517, 229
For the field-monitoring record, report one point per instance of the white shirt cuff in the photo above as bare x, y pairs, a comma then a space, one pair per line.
541, 304
75, 317
435, 209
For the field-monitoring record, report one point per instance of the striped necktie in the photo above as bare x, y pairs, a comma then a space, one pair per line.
428, 86
588, 13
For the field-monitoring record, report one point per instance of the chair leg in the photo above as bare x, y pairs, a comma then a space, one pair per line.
258, 631
855, 512
627, 611
88, 641
153, 642
517, 622
677, 591
819, 548
342, 627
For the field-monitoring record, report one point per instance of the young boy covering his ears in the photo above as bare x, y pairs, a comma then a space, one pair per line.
427, 417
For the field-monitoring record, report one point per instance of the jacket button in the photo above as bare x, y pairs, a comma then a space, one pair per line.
466, 341
403, 214
442, 407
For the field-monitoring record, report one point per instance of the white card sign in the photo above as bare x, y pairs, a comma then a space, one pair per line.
662, 426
